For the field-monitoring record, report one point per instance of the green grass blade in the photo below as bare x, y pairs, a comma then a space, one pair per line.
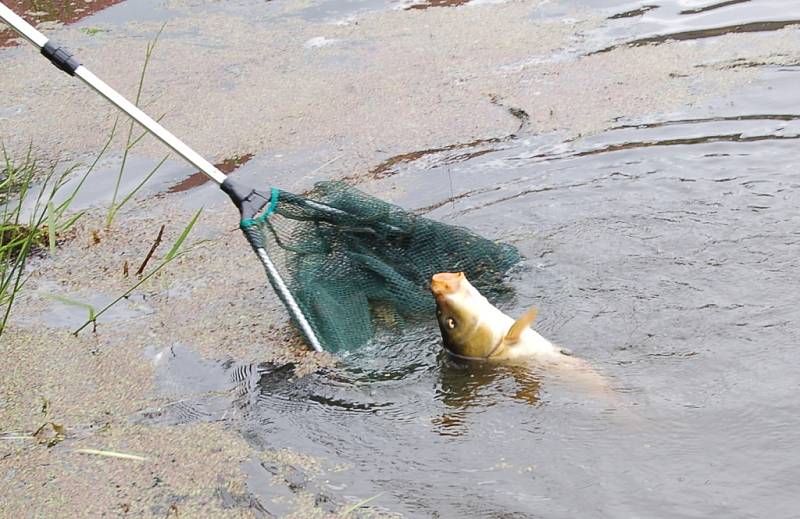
30, 219
66, 203
93, 316
360, 504
70, 221
177, 245
174, 253
67, 301
51, 227
141, 184
144, 133
113, 207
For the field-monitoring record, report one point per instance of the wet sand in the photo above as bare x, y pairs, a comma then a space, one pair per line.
365, 89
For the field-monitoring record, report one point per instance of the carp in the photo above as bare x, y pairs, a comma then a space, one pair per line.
473, 328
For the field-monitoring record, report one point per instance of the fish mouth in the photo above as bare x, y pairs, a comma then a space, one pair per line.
460, 356
446, 283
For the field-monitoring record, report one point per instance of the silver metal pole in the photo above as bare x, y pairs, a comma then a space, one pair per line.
288, 300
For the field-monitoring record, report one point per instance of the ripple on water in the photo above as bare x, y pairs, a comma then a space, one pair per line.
665, 255
661, 253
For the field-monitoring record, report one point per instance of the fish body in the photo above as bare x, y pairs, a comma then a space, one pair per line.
473, 328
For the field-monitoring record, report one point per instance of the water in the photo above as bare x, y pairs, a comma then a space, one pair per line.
665, 254
697, 20
662, 251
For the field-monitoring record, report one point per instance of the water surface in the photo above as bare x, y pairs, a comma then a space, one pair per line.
662, 251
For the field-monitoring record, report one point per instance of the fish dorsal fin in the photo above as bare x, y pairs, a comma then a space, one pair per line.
520, 325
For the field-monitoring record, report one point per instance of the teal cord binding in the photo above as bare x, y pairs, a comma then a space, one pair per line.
273, 203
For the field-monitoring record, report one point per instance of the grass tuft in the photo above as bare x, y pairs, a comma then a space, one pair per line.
30, 221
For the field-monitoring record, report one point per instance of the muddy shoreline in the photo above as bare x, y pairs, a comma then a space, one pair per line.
374, 90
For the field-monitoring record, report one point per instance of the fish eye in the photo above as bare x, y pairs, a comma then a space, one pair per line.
451, 323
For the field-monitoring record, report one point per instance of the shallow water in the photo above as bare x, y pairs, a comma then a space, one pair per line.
665, 254
662, 251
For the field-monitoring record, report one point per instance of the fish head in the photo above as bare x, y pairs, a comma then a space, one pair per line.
459, 308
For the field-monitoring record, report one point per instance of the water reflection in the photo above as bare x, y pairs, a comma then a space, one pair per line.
466, 387
657, 22
711, 7
457, 152
710, 32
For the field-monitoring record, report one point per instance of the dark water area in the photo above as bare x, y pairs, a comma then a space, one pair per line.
664, 253
633, 24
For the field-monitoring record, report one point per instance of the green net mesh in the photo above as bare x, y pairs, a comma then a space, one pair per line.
356, 264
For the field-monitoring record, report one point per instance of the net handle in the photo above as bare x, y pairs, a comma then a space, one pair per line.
62, 59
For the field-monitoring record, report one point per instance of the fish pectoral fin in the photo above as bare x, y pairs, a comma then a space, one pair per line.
520, 325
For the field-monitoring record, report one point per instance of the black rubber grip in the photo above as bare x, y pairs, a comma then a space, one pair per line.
60, 57
249, 201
